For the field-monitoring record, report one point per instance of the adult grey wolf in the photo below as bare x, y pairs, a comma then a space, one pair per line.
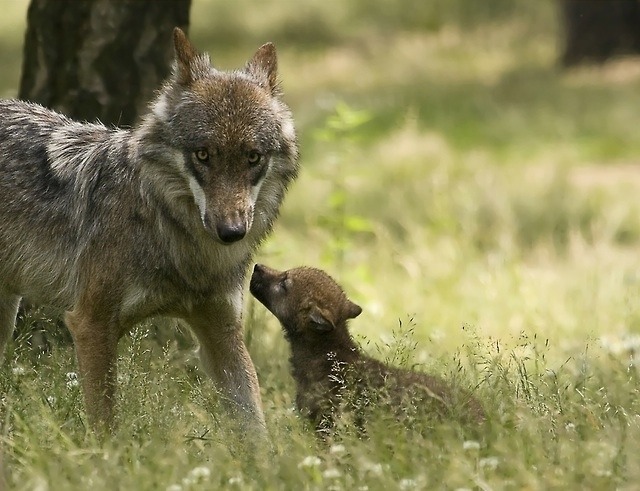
115, 226
332, 374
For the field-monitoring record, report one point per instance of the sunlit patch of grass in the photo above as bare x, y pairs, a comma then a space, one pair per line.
551, 421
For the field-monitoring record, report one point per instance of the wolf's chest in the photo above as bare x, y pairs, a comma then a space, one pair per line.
180, 279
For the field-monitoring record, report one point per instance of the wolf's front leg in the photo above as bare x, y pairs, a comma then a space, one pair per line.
8, 311
96, 350
225, 358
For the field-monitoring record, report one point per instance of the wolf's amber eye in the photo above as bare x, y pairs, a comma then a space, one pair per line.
202, 155
254, 158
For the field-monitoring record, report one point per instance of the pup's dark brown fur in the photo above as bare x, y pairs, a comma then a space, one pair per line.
331, 372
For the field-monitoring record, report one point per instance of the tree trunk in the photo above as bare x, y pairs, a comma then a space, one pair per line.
99, 59
596, 30
93, 59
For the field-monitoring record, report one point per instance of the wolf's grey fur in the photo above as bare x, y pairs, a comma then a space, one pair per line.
115, 226
332, 373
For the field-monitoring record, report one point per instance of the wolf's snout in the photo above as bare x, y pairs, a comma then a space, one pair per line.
231, 232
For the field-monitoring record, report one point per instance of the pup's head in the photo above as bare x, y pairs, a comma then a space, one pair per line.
307, 301
230, 137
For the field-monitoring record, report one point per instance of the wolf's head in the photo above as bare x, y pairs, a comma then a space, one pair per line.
309, 304
232, 143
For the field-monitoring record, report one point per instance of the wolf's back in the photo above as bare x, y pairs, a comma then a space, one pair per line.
25, 130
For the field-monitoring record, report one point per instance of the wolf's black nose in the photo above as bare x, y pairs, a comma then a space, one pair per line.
230, 233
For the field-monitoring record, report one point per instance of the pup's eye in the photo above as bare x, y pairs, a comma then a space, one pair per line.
254, 157
284, 284
202, 154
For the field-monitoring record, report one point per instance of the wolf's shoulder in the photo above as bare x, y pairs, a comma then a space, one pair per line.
59, 133
67, 147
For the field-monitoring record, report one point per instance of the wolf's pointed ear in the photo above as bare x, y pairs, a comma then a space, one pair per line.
321, 320
185, 55
353, 310
263, 67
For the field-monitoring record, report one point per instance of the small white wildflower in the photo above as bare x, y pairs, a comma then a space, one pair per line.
200, 472
331, 473
18, 370
489, 463
337, 449
72, 380
570, 426
309, 461
196, 475
471, 445
174, 487
52, 400
375, 469
235, 480
407, 484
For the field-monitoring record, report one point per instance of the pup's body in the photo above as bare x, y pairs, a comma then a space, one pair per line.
116, 226
332, 374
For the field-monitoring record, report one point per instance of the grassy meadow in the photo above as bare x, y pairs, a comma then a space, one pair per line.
480, 203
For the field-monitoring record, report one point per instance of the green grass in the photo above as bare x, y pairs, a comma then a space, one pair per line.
478, 202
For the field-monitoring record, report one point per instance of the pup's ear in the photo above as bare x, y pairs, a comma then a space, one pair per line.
185, 55
353, 310
263, 67
321, 320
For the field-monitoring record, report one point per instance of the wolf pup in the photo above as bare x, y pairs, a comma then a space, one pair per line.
331, 372
115, 226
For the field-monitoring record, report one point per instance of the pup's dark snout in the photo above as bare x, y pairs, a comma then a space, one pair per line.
231, 232
258, 285
257, 278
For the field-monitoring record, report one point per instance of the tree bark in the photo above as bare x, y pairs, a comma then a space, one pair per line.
99, 59
597, 30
